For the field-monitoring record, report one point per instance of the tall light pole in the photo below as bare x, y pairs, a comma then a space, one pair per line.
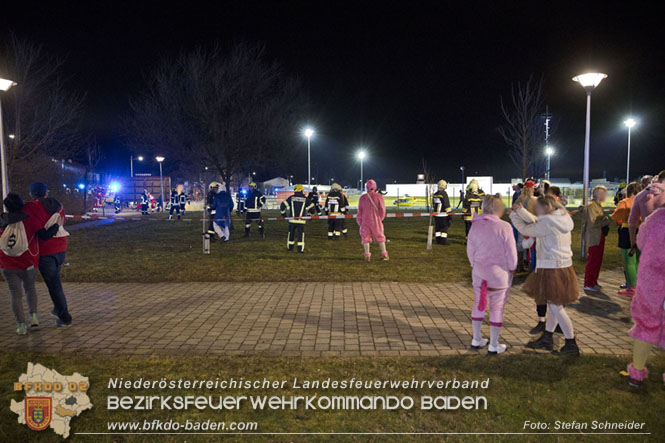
548, 151
461, 168
589, 82
361, 156
160, 160
4, 87
629, 124
131, 164
309, 132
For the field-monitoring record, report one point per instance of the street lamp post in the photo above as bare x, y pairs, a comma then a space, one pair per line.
589, 82
4, 87
309, 132
361, 156
629, 124
160, 160
461, 168
548, 151
131, 164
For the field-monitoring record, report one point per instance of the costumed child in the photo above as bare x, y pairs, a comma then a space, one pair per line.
648, 305
554, 281
620, 217
493, 255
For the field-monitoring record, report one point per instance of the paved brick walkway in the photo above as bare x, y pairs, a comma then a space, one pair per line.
308, 319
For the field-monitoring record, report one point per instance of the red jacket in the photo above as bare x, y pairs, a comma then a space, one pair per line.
29, 257
42, 209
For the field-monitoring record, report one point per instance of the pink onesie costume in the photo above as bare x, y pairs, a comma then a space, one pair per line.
648, 305
493, 255
371, 212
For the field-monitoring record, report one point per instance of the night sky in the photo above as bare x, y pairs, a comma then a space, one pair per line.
408, 80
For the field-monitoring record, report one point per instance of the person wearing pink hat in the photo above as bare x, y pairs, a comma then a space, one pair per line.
371, 212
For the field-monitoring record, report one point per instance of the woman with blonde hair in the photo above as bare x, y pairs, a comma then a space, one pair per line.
595, 227
554, 281
493, 256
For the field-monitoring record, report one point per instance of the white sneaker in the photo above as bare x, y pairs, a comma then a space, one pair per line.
591, 288
479, 344
21, 329
499, 349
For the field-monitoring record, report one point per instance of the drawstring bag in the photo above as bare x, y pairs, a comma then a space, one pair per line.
59, 219
14, 240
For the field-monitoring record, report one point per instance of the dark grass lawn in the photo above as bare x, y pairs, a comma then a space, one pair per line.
154, 251
538, 388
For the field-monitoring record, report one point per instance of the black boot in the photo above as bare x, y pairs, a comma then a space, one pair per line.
539, 328
246, 232
569, 349
444, 240
544, 342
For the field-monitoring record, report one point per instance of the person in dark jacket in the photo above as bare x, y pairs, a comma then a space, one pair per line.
473, 200
175, 204
295, 207
20, 270
222, 205
144, 203
253, 204
182, 201
441, 207
336, 205
313, 196
213, 188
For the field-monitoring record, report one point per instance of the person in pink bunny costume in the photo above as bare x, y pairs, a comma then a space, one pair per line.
651, 198
493, 255
648, 305
371, 212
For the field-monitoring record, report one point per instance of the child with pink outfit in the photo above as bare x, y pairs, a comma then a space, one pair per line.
371, 212
493, 255
648, 305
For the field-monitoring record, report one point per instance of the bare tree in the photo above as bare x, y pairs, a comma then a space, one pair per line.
93, 155
522, 129
40, 113
230, 112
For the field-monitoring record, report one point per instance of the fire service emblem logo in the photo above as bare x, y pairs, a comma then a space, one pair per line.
38, 412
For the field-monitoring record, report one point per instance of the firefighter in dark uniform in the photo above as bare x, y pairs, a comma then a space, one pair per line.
240, 201
182, 201
314, 197
441, 206
213, 189
117, 203
345, 211
336, 204
253, 204
175, 206
297, 205
144, 202
473, 201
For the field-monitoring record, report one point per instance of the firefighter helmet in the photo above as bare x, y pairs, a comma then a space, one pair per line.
298, 188
213, 185
252, 185
442, 185
336, 187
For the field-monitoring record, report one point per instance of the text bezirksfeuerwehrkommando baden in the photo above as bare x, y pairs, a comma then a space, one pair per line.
368, 400
295, 383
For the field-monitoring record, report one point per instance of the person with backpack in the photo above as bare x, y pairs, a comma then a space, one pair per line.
48, 211
19, 258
